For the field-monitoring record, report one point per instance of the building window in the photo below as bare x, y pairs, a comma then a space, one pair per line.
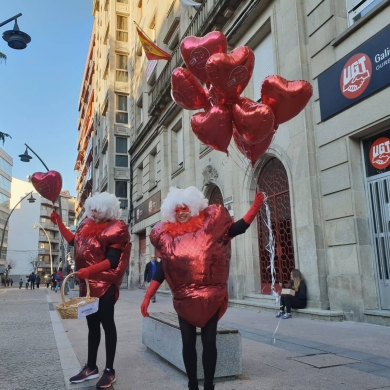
356, 9
139, 118
138, 185
122, 1
121, 28
121, 156
177, 147
264, 64
5, 166
153, 168
121, 193
121, 115
122, 74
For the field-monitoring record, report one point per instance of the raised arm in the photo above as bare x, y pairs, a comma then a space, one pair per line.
67, 234
158, 278
243, 224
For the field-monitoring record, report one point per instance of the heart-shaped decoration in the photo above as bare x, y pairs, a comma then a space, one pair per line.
286, 98
196, 51
187, 92
213, 127
252, 152
215, 98
230, 73
47, 184
254, 121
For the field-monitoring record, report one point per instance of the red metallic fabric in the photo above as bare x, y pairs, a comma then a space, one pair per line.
91, 243
196, 265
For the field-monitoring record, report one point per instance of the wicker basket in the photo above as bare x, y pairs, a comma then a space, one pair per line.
69, 310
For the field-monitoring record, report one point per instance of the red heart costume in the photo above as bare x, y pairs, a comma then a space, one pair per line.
91, 242
196, 264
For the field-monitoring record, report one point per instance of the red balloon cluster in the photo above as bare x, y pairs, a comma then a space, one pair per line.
47, 184
252, 125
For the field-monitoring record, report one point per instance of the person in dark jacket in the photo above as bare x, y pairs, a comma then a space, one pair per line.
32, 281
150, 270
297, 301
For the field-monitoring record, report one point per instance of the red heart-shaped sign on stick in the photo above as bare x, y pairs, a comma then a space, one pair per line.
230, 73
196, 51
252, 152
213, 127
286, 98
47, 184
254, 121
187, 92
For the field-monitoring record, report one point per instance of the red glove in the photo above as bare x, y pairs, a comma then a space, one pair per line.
86, 273
154, 285
252, 212
56, 219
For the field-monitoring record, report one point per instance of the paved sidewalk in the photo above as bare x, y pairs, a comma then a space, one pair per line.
307, 354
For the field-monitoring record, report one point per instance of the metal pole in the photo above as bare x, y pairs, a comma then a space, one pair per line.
10, 20
64, 271
6, 222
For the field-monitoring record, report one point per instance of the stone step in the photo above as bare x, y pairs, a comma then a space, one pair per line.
260, 298
317, 314
377, 317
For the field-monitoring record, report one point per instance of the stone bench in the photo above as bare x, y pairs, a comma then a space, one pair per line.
161, 334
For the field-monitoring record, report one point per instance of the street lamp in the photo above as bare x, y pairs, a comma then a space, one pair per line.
15, 38
36, 225
31, 199
25, 157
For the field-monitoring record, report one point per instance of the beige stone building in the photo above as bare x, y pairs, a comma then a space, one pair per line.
329, 207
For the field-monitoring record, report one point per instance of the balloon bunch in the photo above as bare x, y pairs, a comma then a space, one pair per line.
47, 184
225, 75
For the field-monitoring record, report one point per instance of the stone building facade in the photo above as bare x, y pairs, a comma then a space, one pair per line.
315, 173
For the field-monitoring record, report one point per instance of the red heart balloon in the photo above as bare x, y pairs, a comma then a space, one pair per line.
286, 98
216, 98
252, 152
196, 51
213, 127
187, 92
47, 184
254, 121
230, 73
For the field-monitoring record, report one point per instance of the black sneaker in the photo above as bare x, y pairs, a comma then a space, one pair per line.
85, 374
107, 379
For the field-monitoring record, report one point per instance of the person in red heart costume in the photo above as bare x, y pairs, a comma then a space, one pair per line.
193, 242
102, 252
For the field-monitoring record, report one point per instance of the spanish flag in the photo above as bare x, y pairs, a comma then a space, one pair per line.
152, 51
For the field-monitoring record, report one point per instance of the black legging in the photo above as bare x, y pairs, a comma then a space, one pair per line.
104, 316
290, 301
209, 356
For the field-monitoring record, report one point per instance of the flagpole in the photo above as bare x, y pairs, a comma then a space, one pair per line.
147, 36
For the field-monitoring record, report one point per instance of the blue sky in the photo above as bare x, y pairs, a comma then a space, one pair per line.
40, 85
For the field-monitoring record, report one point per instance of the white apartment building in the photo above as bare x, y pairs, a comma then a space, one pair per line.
6, 163
33, 240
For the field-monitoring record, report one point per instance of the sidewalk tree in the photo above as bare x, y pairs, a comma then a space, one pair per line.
8, 266
3, 57
33, 259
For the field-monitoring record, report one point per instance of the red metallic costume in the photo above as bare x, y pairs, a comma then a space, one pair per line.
196, 264
91, 242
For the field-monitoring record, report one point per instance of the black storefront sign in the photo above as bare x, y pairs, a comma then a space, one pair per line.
149, 207
377, 154
361, 73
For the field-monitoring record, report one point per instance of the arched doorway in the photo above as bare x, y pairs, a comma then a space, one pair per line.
215, 196
273, 181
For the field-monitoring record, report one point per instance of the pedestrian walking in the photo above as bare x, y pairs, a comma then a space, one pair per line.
7, 282
296, 301
102, 244
38, 281
27, 281
53, 282
47, 281
59, 278
150, 270
32, 281
11, 281
20, 283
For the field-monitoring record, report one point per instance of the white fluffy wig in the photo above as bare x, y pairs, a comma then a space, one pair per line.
191, 197
106, 204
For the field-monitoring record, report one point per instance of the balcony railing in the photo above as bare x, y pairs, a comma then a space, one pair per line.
202, 21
